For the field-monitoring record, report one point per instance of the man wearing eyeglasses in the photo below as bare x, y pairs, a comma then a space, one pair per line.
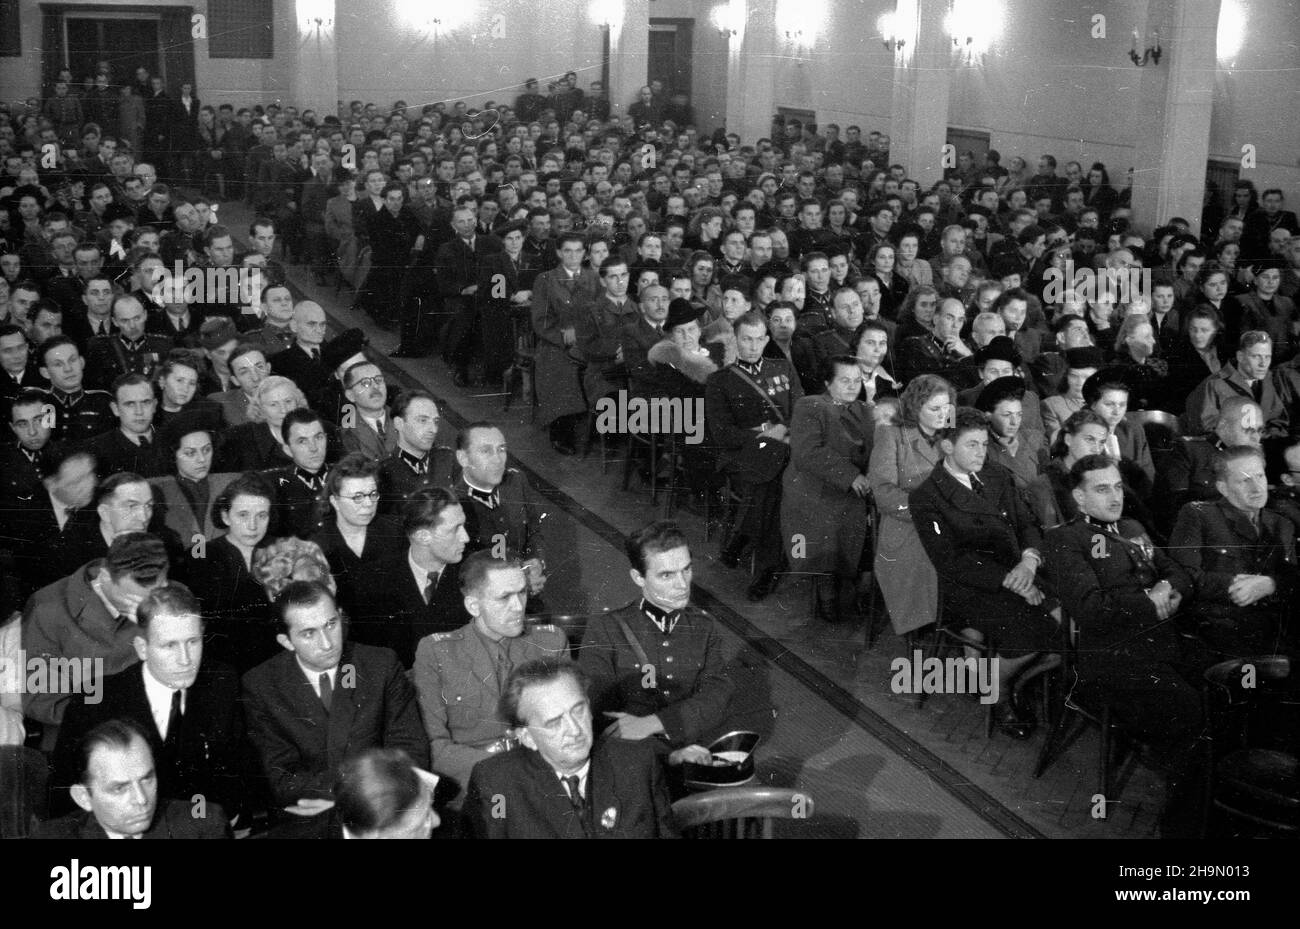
368, 428
324, 698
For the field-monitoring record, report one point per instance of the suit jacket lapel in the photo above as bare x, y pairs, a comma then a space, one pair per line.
554, 805
137, 696
343, 709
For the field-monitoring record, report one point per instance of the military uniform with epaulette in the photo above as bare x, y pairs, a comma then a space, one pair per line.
459, 677
81, 416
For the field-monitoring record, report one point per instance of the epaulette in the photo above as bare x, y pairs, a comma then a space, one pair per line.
546, 628
445, 636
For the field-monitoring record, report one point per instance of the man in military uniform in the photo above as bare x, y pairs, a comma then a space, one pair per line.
502, 511
460, 675
24, 462
133, 444
129, 350
1241, 556
656, 665
1120, 592
748, 406
78, 413
1189, 472
300, 487
417, 463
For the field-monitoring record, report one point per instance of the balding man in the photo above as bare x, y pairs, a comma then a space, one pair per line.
129, 350
301, 361
941, 351
1188, 475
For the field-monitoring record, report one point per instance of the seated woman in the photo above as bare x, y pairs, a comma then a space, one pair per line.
1083, 433
237, 614
283, 561
825, 486
257, 445
971, 520
895, 286
1198, 354
175, 382
902, 457
1080, 364
917, 315
1135, 347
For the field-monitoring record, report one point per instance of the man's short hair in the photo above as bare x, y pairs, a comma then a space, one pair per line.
476, 566
298, 594
967, 419
402, 402
462, 437
171, 599
1252, 338
303, 416
120, 733
375, 789
109, 485
138, 555
1087, 464
53, 342
424, 508
130, 379
1223, 460
660, 536
537, 671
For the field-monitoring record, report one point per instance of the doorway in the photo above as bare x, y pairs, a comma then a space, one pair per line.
125, 43
670, 54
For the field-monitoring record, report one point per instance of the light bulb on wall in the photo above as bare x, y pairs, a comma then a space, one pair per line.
315, 16
898, 29
439, 16
607, 13
973, 25
800, 21
729, 18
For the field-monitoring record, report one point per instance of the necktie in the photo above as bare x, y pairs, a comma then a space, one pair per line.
570, 283
431, 586
174, 720
1257, 391
977, 485
502, 666
326, 692
573, 784
315, 354
144, 442
379, 428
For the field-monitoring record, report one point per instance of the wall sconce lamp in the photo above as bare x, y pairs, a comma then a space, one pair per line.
316, 22
1151, 53
897, 27
315, 16
729, 18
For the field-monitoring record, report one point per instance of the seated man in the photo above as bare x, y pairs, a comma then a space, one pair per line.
26, 460
248, 367
117, 790
1021, 451
558, 785
300, 487
656, 665
417, 463
748, 407
58, 513
1119, 591
187, 708
973, 522
133, 445
322, 699
123, 503
129, 350
79, 413
999, 357
940, 352
1189, 473
90, 615
1241, 557
502, 511
368, 429
1285, 498
1247, 375
460, 675
415, 592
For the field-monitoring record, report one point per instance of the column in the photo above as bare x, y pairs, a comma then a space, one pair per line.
629, 54
1174, 105
751, 73
922, 83
314, 81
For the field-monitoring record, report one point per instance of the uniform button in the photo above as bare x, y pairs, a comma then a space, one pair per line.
669, 658
665, 645
670, 677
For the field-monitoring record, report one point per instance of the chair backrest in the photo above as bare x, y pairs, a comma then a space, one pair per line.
740, 812
1248, 701
1162, 429
574, 625
24, 775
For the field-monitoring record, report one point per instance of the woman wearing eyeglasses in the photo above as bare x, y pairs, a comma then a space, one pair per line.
353, 537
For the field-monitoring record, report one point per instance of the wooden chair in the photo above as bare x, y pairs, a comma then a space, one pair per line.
740, 812
1162, 429
522, 370
574, 626
1253, 770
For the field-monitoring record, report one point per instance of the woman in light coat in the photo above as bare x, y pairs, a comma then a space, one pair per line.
901, 459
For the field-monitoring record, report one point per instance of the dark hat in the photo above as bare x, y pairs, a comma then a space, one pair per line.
116, 211
342, 347
1087, 357
994, 392
216, 332
1000, 348
201, 416
1267, 263
1115, 374
138, 555
680, 312
731, 764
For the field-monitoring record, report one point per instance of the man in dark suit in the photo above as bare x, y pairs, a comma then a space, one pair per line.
301, 362
123, 503
415, 592
502, 511
1188, 473
1119, 591
686, 698
557, 786
130, 350
1241, 557
748, 407
367, 426
17, 373
637, 337
972, 520
323, 699
457, 264
117, 790
1106, 394
133, 446
24, 462
188, 709
417, 463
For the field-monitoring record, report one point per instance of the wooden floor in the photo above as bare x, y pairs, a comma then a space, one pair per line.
875, 764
